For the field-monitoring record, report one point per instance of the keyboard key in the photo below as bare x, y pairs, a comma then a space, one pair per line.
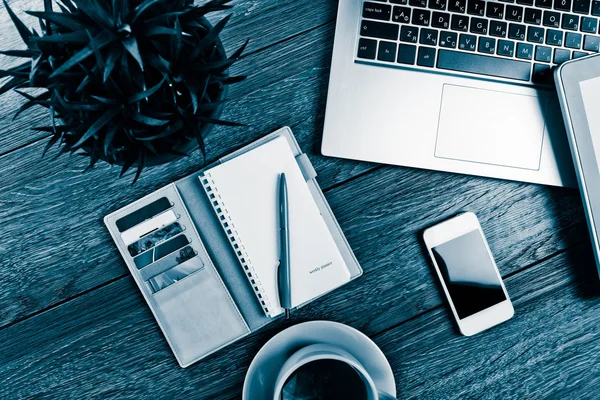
525, 51
401, 15
487, 45
437, 4
457, 6
467, 42
589, 25
570, 22
543, 3
407, 53
554, 37
562, 5
591, 43
533, 16
379, 30
535, 34
495, 10
596, 8
418, 3
581, 6
426, 57
484, 65
479, 25
498, 29
429, 37
517, 31
561, 55
377, 11
403, 2
579, 54
542, 74
387, 51
367, 48
421, 17
440, 20
573, 40
551, 19
525, 2
460, 23
506, 48
409, 34
514, 13
476, 7
448, 39
543, 53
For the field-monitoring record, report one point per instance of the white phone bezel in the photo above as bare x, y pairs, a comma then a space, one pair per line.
451, 229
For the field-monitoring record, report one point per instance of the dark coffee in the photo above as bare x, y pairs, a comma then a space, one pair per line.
325, 380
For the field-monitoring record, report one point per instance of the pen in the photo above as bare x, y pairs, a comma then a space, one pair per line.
283, 273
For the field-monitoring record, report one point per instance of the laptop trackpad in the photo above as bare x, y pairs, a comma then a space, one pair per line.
490, 127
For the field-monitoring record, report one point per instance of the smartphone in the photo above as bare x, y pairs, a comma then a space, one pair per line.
468, 273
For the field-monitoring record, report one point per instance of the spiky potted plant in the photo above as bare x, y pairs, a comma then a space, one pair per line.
126, 81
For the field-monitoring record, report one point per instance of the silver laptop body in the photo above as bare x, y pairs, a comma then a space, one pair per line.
426, 117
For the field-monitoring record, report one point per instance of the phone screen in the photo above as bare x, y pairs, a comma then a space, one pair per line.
469, 273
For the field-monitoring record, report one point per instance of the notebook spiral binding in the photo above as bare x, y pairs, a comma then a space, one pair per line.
238, 247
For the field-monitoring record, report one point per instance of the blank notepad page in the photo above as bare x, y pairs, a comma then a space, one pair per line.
244, 191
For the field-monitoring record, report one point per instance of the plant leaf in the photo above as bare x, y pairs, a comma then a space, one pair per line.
94, 46
141, 162
131, 46
19, 53
69, 4
108, 138
72, 37
96, 12
145, 93
164, 133
146, 120
61, 19
24, 32
210, 37
50, 143
139, 10
104, 100
96, 126
113, 55
178, 39
102, 39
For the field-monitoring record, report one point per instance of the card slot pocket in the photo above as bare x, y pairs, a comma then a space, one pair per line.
167, 262
149, 226
143, 213
156, 253
175, 274
155, 238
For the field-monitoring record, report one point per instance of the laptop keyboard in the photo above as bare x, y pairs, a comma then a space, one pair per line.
518, 40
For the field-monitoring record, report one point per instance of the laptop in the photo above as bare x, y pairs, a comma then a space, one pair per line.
456, 85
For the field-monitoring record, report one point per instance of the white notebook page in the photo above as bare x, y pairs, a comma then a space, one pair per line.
247, 189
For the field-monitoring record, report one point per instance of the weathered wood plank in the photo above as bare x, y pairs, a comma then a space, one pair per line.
51, 211
550, 349
105, 344
265, 23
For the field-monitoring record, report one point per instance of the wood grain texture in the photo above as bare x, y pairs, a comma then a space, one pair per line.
265, 23
550, 349
52, 212
105, 344
77, 326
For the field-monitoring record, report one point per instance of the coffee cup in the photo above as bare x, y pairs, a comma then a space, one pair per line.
322, 370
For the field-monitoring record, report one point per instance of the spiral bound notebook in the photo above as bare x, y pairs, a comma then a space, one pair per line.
243, 192
183, 259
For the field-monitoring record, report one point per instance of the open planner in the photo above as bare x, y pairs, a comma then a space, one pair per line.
204, 250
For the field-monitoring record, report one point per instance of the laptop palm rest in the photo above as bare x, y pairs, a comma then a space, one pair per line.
490, 127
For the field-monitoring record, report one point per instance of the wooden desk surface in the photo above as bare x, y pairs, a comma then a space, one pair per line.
73, 324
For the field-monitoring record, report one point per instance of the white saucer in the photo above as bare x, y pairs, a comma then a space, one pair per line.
261, 375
